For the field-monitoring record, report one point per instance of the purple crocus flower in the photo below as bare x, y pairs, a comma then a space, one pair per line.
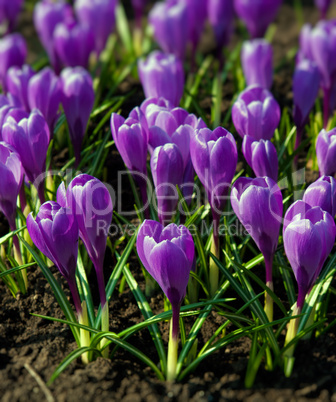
322, 193
165, 15
306, 83
168, 255
323, 6
130, 137
308, 235
221, 17
77, 100
257, 14
258, 205
256, 113
261, 156
73, 43
17, 80
322, 42
55, 233
13, 52
162, 75
138, 7
30, 138
11, 174
197, 14
99, 15
8, 111
47, 15
326, 152
257, 62
44, 94
9, 11
167, 171
91, 204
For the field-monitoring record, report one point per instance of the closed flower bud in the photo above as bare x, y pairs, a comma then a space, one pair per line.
17, 81
257, 62
326, 152
162, 75
256, 113
322, 193
221, 17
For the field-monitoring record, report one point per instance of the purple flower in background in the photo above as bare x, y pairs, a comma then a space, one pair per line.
99, 15
44, 94
55, 233
13, 52
304, 51
221, 17
322, 193
130, 137
74, 43
164, 16
256, 113
306, 83
167, 253
9, 11
91, 204
30, 138
11, 174
308, 235
261, 156
326, 152
17, 80
167, 171
47, 15
197, 14
162, 75
323, 6
257, 62
138, 7
77, 100
257, 14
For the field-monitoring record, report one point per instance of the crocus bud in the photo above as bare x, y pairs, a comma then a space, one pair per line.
197, 13
9, 11
99, 15
77, 99
257, 62
73, 43
138, 7
221, 17
15, 113
306, 83
167, 171
91, 204
13, 52
164, 16
326, 152
44, 94
214, 157
17, 80
261, 156
130, 138
323, 6
256, 113
322, 193
30, 138
162, 75
55, 233
257, 14
258, 205
11, 174
304, 48
168, 254
47, 15
309, 235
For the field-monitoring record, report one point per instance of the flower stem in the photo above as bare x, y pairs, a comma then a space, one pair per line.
105, 328
291, 333
213, 268
84, 334
326, 104
269, 282
173, 344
